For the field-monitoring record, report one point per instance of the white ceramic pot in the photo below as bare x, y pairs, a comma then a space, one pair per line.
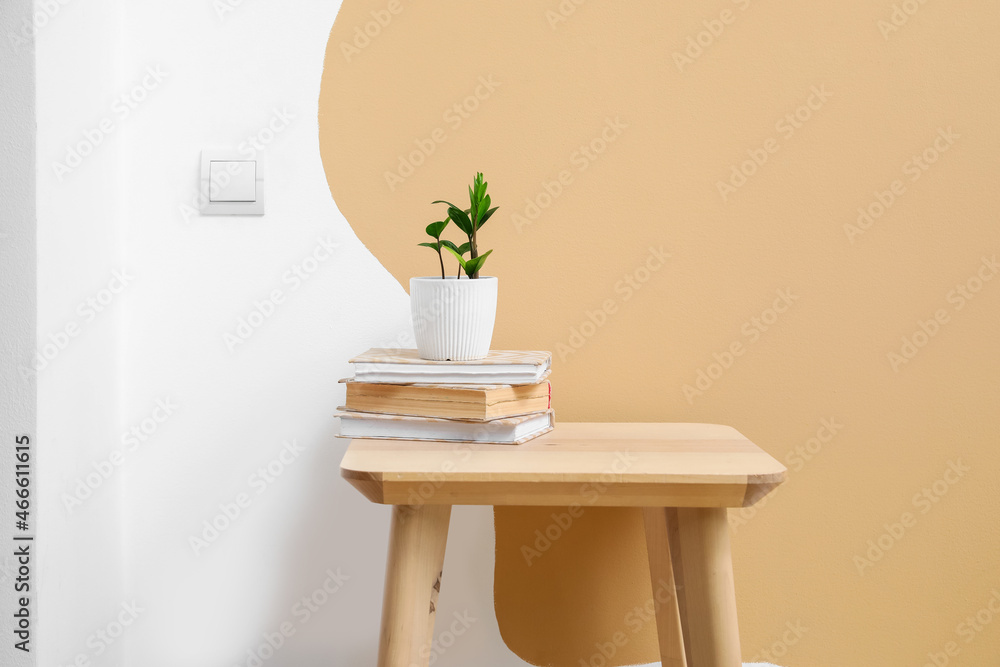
453, 317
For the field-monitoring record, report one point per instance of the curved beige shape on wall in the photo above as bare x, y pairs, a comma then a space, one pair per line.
740, 138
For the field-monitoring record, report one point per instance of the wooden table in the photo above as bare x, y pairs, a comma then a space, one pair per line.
684, 476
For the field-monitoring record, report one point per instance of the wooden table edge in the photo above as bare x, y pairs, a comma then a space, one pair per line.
372, 486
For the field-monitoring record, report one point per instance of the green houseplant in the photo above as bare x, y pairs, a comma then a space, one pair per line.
469, 221
453, 317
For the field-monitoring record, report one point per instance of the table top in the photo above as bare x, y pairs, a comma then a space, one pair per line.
594, 464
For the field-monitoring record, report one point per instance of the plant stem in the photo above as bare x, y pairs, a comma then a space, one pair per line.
441, 259
473, 250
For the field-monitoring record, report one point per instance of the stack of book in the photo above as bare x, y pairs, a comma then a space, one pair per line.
505, 398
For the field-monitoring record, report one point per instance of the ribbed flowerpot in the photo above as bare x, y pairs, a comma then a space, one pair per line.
453, 317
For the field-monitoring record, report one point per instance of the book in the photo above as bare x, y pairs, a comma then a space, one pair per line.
505, 431
472, 402
406, 367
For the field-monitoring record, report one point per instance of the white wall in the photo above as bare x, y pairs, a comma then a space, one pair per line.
79, 248
17, 327
207, 417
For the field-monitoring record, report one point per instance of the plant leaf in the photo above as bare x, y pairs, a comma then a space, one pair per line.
435, 228
464, 248
486, 216
476, 263
461, 220
436, 246
461, 261
445, 243
451, 207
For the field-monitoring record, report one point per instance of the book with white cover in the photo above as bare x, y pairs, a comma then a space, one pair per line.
506, 431
405, 366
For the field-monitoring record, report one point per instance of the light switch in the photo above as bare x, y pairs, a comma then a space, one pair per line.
231, 184
233, 181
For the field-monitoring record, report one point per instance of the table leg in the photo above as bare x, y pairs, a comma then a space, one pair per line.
661, 574
412, 582
706, 595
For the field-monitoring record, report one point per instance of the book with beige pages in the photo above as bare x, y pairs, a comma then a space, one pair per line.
473, 402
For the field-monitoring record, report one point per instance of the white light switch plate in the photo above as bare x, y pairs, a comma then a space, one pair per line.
231, 184
232, 181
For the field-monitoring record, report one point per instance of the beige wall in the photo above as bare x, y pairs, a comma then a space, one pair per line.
838, 104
